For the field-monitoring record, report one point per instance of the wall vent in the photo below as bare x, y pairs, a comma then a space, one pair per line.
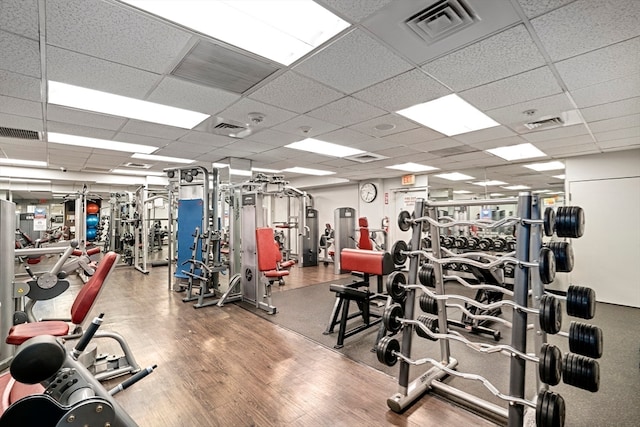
441, 19
366, 157
19, 133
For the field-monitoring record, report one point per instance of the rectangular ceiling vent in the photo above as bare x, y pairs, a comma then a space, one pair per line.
453, 151
137, 165
19, 133
227, 126
441, 19
366, 157
216, 66
565, 118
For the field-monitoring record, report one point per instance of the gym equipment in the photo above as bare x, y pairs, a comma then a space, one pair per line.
563, 254
345, 225
569, 222
103, 367
582, 372
326, 240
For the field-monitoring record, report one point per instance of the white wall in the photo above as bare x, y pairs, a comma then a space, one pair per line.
607, 187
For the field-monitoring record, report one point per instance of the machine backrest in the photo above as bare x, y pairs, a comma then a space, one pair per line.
268, 252
364, 242
90, 291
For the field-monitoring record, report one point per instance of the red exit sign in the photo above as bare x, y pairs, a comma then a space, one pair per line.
408, 179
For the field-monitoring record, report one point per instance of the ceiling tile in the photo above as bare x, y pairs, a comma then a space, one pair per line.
73, 129
20, 107
286, 90
594, 24
19, 54
627, 143
374, 145
82, 70
344, 136
20, 17
107, 30
495, 132
547, 106
346, 111
413, 136
573, 150
338, 163
434, 145
616, 123
564, 142
601, 65
316, 126
611, 110
241, 109
400, 124
632, 132
502, 55
613, 90
559, 132
500, 142
249, 146
153, 129
273, 137
19, 86
206, 139
21, 122
141, 139
513, 90
534, 8
408, 89
183, 94
82, 118
353, 62
355, 10
180, 149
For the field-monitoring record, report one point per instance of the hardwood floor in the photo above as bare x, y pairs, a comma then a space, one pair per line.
227, 367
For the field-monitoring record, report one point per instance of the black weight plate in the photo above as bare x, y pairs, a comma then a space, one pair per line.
550, 364
561, 223
485, 244
557, 411
593, 342
583, 301
549, 221
391, 317
574, 338
385, 348
499, 244
427, 276
425, 243
428, 304
571, 304
394, 290
593, 375
546, 265
578, 222
404, 218
430, 323
554, 322
398, 257
590, 303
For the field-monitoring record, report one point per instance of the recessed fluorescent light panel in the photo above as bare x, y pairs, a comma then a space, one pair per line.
516, 187
322, 147
559, 176
541, 191
449, 115
496, 194
29, 180
488, 183
281, 30
122, 106
412, 167
137, 172
99, 144
220, 165
307, 171
546, 166
161, 158
462, 192
517, 152
454, 176
21, 162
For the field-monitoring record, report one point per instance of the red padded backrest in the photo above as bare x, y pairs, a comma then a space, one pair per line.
364, 242
89, 292
267, 251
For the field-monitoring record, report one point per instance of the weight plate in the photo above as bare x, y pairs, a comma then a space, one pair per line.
391, 317
549, 221
594, 375
546, 265
428, 304
550, 364
397, 254
385, 350
485, 244
394, 290
550, 409
425, 243
550, 314
561, 222
499, 244
577, 222
590, 303
431, 324
427, 276
404, 218
572, 307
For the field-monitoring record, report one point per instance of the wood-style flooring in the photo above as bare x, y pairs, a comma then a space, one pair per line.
228, 367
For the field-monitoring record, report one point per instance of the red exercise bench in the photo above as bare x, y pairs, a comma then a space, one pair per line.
368, 263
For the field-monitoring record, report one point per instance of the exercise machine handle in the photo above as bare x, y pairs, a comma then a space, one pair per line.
33, 276
132, 380
86, 337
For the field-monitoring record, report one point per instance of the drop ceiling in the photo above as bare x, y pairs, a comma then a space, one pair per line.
523, 61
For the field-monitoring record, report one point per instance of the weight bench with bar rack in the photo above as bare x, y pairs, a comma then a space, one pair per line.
368, 263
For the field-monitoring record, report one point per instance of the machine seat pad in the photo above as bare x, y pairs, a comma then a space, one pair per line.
365, 261
288, 264
22, 332
14, 391
275, 273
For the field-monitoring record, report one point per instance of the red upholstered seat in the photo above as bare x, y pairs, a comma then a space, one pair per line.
276, 273
371, 262
79, 310
13, 391
268, 253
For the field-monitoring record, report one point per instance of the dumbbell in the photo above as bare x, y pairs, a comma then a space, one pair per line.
461, 242
485, 244
568, 221
511, 245
472, 242
550, 407
447, 242
499, 244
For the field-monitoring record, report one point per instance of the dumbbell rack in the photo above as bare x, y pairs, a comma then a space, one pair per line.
529, 240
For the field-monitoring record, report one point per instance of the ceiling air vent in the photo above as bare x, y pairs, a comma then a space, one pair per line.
137, 165
19, 133
366, 157
553, 121
227, 126
441, 19
565, 118
452, 151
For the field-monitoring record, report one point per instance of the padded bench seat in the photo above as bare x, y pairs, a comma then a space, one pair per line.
364, 261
